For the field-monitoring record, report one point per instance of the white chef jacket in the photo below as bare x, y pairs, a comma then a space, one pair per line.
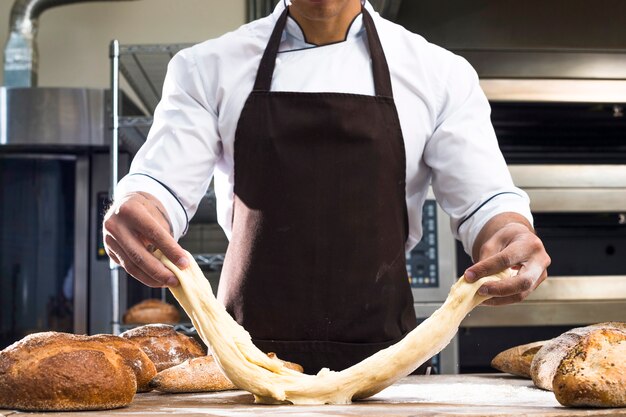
444, 115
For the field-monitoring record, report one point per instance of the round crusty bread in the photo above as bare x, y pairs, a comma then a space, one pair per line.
135, 357
517, 360
593, 372
58, 371
151, 311
164, 346
199, 375
546, 361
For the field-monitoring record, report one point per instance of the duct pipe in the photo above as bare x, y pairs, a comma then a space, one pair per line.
20, 52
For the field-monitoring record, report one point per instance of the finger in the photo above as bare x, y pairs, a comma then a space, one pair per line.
528, 277
498, 301
519, 283
143, 259
113, 257
155, 234
131, 268
490, 266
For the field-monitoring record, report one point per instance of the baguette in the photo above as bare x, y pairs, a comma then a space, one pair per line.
517, 360
199, 375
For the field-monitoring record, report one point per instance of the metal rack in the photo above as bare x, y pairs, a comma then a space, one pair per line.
144, 68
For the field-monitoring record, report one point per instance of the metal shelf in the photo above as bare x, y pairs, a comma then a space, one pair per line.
144, 67
209, 261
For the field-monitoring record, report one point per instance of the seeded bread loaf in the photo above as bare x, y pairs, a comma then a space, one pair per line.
585, 366
517, 360
164, 346
151, 311
593, 372
199, 375
58, 371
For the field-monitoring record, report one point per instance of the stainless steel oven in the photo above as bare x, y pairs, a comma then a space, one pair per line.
54, 187
570, 157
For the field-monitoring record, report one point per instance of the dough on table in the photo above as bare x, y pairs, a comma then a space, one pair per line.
271, 382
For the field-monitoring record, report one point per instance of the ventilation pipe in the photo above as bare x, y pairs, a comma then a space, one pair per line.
20, 52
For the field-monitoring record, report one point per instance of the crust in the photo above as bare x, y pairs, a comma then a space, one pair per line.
593, 373
517, 360
164, 346
135, 357
151, 311
548, 358
199, 375
59, 371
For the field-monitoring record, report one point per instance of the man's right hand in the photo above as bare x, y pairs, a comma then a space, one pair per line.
135, 226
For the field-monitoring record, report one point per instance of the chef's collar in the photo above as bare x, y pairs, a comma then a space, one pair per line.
293, 28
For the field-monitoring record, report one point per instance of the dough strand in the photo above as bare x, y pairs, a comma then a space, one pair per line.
272, 383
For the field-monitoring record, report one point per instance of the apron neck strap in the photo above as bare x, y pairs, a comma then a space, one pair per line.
380, 69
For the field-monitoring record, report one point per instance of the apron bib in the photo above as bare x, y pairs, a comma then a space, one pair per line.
316, 268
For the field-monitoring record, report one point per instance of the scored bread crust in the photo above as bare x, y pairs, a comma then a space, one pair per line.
53, 371
593, 372
151, 311
194, 375
135, 357
199, 375
547, 359
164, 346
517, 360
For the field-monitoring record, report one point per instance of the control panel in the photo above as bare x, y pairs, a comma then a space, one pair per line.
422, 261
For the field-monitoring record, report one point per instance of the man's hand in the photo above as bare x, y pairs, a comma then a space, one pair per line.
133, 228
508, 241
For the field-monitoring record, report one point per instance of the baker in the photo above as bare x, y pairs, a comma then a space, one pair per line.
323, 126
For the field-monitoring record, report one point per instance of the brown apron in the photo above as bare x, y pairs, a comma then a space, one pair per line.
316, 269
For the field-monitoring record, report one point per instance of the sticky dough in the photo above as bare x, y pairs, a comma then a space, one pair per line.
272, 383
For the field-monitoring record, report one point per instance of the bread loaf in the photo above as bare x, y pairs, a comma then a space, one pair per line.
151, 311
517, 360
548, 358
135, 357
593, 372
199, 375
58, 371
164, 346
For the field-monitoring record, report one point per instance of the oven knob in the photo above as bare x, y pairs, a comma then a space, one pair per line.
621, 218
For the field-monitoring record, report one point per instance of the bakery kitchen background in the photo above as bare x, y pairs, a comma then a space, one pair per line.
557, 94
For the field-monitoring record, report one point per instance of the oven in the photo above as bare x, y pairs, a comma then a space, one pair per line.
569, 157
555, 75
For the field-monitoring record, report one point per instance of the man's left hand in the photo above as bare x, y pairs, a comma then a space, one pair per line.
508, 241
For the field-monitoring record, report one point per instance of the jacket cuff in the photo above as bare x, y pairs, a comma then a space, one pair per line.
173, 207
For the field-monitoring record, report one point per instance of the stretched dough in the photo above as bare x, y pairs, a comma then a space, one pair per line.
273, 383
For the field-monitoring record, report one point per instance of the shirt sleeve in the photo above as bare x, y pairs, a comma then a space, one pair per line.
470, 178
176, 163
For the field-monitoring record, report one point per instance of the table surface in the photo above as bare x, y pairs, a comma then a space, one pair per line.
433, 395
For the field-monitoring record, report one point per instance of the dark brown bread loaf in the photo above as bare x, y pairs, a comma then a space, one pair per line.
199, 375
151, 311
517, 360
58, 371
549, 357
135, 357
593, 372
164, 346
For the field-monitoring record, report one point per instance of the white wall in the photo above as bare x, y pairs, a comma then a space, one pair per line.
74, 39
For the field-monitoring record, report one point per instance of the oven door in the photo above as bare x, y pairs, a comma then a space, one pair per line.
580, 215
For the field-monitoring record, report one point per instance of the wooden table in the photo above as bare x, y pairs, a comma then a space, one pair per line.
434, 395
